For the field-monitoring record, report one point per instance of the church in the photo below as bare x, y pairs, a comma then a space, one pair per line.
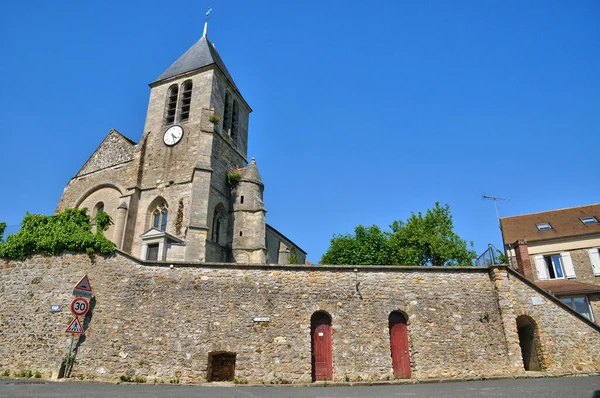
186, 191
202, 289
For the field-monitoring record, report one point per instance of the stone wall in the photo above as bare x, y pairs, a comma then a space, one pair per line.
162, 323
568, 343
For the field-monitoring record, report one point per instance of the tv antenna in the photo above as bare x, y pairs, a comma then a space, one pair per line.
495, 198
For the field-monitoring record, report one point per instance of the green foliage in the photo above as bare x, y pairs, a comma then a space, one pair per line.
37, 374
233, 177
2, 228
500, 257
103, 221
51, 235
423, 239
6, 373
214, 118
24, 373
293, 257
126, 378
140, 379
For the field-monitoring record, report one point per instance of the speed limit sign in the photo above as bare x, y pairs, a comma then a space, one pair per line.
79, 306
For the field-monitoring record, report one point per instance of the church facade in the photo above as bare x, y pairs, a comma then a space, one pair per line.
186, 191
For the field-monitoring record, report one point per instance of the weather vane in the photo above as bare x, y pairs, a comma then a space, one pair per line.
206, 21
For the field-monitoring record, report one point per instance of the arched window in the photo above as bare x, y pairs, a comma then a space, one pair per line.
159, 218
185, 101
171, 106
99, 208
235, 119
218, 224
227, 114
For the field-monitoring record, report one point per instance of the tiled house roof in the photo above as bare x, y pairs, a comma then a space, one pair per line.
564, 222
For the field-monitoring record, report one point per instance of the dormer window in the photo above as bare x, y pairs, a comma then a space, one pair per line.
588, 220
543, 226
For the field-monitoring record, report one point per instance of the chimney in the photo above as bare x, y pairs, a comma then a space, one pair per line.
523, 261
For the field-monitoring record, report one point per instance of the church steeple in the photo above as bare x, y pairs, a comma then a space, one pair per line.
202, 54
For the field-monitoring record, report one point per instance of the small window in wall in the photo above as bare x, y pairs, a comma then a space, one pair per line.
152, 253
99, 208
240, 233
171, 107
242, 199
159, 218
185, 101
579, 304
588, 220
543, 226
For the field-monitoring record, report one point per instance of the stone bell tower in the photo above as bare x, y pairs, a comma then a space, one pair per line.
196, 130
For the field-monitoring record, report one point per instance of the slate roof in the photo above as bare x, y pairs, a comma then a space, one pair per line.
562, 287
203, 53
565, 223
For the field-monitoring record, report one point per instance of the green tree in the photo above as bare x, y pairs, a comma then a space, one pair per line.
51, 235
423, 239
2, 228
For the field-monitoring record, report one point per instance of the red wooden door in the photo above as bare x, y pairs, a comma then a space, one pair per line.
399, 345
322, 355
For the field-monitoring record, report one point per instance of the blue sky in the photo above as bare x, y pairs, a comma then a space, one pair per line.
363, 111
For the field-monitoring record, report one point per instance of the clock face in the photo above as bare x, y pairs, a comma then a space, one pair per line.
173, 135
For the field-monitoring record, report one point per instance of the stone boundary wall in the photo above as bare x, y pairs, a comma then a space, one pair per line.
568, 341
161, 323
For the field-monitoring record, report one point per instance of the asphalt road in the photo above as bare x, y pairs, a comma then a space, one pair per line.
571, 387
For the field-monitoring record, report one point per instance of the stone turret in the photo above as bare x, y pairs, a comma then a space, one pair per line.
249, 244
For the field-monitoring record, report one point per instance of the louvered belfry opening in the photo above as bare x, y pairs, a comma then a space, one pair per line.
171, 104
186, 100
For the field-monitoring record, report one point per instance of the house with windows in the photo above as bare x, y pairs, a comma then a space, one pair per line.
185, 191
559, 251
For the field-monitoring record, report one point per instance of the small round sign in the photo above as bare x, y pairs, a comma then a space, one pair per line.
80, 306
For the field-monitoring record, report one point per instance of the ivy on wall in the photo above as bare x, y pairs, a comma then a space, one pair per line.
51, 235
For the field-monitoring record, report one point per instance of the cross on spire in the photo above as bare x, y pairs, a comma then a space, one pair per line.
206, 22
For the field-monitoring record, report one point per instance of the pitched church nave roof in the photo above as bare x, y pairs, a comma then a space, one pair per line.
202, 53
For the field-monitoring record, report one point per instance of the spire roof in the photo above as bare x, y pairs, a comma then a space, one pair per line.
251, 173
202, 53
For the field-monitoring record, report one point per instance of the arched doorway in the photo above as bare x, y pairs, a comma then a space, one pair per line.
399, 345
528, 340
321, 351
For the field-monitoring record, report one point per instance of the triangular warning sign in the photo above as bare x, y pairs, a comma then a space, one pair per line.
75, 327
84, 284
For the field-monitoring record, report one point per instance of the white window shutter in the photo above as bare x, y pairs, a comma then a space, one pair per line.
540, 265
567, 263
595, 260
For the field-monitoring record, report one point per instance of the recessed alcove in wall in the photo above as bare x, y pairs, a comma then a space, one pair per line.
221, 366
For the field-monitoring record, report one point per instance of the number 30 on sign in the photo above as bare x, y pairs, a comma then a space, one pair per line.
79, 306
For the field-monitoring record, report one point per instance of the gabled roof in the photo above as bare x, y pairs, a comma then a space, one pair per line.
114, 149
203, 53
565, 223
155, 233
